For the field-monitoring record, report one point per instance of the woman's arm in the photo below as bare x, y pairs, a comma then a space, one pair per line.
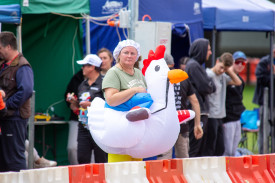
114, 97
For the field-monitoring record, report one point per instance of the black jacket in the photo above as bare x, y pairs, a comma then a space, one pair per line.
234, 104
203, 85
263, 80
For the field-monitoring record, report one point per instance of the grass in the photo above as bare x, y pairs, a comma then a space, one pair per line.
249, 105
248, 94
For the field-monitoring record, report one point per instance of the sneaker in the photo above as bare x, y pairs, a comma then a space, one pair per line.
42, 163
185, 115
137, 114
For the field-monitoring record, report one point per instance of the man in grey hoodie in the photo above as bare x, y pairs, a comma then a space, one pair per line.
199, 53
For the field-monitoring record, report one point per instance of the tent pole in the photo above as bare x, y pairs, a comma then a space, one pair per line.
31, 132
19, 36
214, 32
133, 5
88, 46
272, 93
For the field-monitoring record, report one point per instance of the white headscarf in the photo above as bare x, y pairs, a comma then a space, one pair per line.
125, 43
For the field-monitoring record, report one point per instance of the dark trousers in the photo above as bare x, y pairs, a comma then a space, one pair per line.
214, 145
85, 145
197, 145
12, 145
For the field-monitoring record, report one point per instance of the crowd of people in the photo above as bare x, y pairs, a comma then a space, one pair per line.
215, 94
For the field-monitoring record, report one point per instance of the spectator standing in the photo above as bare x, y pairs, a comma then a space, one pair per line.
199, 53
184, 94
214, 140
234, 108
16, 79
87, 91
107, 60
263, 80
72, 88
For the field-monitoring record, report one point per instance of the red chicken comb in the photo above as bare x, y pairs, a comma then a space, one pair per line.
153, 56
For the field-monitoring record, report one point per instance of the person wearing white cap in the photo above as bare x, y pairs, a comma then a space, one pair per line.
234, 108
87, 91
121, 84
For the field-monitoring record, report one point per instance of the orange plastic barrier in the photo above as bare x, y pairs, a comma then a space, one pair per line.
270, 159
87, 173
253, 64
248, 169
163, 171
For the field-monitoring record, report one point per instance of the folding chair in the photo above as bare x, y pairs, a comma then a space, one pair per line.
249, 120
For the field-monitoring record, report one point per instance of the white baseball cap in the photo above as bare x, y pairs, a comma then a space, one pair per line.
91, 59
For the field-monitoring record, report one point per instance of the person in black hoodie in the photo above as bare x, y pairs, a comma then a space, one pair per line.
199, 53
263, 80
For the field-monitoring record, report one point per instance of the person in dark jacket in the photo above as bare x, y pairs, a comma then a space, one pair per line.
263, 80
72, 88
234, 108
199, 53
184, 96
16, 79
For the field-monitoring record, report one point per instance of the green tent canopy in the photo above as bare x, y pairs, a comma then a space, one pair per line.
58, 6
48, 6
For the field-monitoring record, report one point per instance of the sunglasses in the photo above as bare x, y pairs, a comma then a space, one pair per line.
238, 62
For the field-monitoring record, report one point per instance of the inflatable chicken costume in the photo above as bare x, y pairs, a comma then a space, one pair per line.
145, 138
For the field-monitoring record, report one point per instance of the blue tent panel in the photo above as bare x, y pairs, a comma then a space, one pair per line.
237, 15
174, 11
103, 36
105, 8
10, 14
178, 12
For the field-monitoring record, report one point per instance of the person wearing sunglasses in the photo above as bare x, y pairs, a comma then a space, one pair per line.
234, 108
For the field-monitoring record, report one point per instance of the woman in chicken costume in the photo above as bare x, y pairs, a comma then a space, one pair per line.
127, 140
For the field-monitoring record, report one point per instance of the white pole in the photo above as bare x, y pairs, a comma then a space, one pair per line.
133, 6
19, 36
88, 41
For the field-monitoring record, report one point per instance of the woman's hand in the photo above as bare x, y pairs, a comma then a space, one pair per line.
85, 104
71, 98
139, 89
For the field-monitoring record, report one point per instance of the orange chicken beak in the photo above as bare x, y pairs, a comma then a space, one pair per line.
177, 75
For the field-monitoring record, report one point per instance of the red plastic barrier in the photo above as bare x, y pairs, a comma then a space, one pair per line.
253, 64
270, 159
248, 169
249, 70
164, 171
88, 173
